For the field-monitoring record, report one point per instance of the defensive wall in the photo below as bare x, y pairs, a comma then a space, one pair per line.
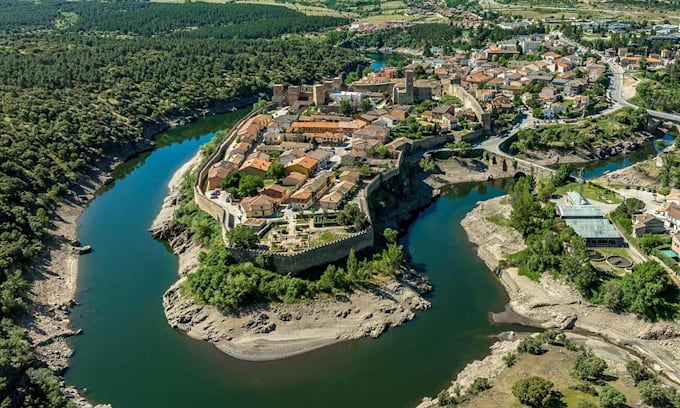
292, 263
470, 102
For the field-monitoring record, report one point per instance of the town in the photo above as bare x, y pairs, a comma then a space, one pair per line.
299, 172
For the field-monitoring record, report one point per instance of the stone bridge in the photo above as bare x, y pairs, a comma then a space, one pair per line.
513, 166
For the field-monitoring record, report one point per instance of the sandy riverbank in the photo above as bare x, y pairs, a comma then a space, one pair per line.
270, 332
53, 277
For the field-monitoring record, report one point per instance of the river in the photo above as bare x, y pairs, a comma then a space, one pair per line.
128, 356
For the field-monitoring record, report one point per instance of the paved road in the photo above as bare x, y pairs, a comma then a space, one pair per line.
616, 85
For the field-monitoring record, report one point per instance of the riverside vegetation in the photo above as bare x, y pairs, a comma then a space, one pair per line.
551, 246
81, 82
603, 130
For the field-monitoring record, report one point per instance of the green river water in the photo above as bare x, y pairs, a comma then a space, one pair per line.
128, 356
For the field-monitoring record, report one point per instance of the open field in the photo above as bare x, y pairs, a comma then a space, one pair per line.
581, 9
592, 192
555, 365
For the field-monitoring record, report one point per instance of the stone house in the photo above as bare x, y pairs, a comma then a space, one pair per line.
294, 179
305, 165
258, 206
647, 224
255, 167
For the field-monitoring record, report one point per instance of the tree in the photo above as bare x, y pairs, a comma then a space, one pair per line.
613, 296
610, 397
379, 151
276, 171
589, 367
427, 164
576, 268
510, 359
524, 207
366, 105
390, 235
638, 371
533, 391
649, 292
346, 108
352, 215
249, 185
478, 385
563, 174
242, 236
654, 394
352, 263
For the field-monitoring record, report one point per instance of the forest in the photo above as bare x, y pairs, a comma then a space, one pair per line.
73, 94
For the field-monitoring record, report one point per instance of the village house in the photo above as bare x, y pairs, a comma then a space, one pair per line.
329, 138
258, 206
290, 155
301, 199
671, 212
352, 176
305, 165
237, 159
275, 192
255, 167
218, 172
321, 156
294, 179
675, 244
241, 148
547, 95
331, 201
647, 224
380, 133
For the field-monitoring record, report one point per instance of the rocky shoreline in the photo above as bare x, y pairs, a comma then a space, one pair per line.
625, 147
53, 277
270, 332
551, 303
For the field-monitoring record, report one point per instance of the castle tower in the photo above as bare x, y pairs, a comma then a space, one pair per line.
278, 94
318, 94
337, 83
293, 94
410, 76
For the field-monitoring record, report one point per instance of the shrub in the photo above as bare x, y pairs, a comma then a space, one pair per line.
638, 371
610, 397
654, 394
478, 385
589, 367
510, 359
533, 391
531, 345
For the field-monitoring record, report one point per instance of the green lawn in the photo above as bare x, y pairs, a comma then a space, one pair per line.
592, 192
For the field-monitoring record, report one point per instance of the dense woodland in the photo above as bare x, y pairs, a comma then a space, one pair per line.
72, 94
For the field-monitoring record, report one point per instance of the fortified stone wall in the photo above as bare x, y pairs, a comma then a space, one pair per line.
430, 142
471, 102
286, 263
